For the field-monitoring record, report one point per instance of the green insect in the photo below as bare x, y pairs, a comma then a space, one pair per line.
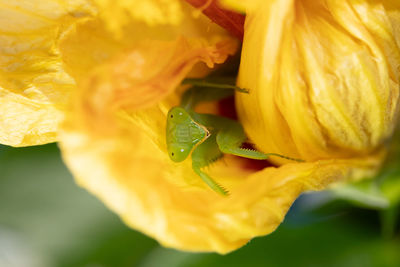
206, 137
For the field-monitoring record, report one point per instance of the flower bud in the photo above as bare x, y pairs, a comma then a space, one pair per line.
323, 77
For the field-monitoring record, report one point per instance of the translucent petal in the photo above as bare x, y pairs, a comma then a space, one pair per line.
33, 84
91, 43
153, 12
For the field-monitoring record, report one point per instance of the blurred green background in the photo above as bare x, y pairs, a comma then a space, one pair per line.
47, 220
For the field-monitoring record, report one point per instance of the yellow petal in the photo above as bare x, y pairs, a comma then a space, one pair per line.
323, 77
91, 42
142, 77
33, 84
118, 14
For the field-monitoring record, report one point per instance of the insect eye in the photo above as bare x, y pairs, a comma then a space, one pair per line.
172, 116
172, 153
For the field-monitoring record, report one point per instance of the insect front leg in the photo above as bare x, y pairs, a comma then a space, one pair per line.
230, 138
205, 154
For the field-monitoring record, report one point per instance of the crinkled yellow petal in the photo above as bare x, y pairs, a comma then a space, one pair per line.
39, 41
125, 164
323, 76
152, 70
91, 43
33, 84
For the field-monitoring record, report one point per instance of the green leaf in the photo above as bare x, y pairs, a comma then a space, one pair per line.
365, 194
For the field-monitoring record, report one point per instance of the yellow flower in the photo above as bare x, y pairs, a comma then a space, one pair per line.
125, 70
115, 147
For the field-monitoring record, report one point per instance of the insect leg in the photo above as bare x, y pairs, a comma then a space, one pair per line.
210, 182
216, 84
205, 154
196, 95
208, 90
231, 137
